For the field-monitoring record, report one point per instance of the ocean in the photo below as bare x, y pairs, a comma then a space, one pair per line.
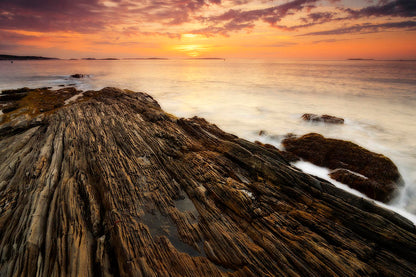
377, 99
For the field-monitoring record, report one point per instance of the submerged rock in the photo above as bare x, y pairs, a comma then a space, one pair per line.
383, 175
322, 118
95, 188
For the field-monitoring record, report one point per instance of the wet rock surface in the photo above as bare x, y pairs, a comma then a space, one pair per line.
110, 185
322, 118
379, 175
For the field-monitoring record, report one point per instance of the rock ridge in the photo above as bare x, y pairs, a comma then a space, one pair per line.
111, 185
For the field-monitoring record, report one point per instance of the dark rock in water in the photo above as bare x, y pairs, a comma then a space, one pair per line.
110, 185
334, 154
262, 133
12, 97
79, 76
363, 184
323, 118
14, 91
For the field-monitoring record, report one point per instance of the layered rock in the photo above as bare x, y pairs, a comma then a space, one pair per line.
110, 185
378, 177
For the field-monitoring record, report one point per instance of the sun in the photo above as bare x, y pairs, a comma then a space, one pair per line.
189, 35
192, 50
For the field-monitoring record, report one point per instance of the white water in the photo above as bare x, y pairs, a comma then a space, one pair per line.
324, 174
377, 98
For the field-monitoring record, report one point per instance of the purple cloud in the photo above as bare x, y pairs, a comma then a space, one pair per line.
366, 28
236, 20
88, 16
91, 16
397, 8
270, 15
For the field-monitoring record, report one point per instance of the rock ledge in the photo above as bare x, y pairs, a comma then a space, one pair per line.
110, 185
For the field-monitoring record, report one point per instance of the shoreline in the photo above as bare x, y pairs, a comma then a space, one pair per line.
74, 95
148, 192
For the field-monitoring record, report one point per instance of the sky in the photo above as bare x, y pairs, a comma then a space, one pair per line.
283, 29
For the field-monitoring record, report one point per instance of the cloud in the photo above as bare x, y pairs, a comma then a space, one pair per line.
331, 40
7, 47
224, 30
13, 36
48, 15
397, 8
312, 19
366, 28
271, 15
282, 44
90, 16
236, 19
144, 44
319, 16
171, 17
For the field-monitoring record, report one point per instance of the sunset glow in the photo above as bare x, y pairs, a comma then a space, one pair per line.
299, 29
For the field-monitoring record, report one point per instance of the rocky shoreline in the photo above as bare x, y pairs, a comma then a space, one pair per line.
111, 185
371, 173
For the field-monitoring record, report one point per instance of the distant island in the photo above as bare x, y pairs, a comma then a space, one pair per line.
151, 58
393, 60
206, 59
360, 59
24, 58
103, 59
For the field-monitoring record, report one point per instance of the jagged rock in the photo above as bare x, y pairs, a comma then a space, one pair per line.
340, 154
110, 185
323, 118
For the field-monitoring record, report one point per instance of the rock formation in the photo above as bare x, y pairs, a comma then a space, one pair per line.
370, 187
378, 177
322, 118
110, 185
79, 76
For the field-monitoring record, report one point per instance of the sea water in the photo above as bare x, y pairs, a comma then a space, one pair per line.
377, 99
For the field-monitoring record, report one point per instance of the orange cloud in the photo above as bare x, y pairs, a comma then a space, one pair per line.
231, 28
